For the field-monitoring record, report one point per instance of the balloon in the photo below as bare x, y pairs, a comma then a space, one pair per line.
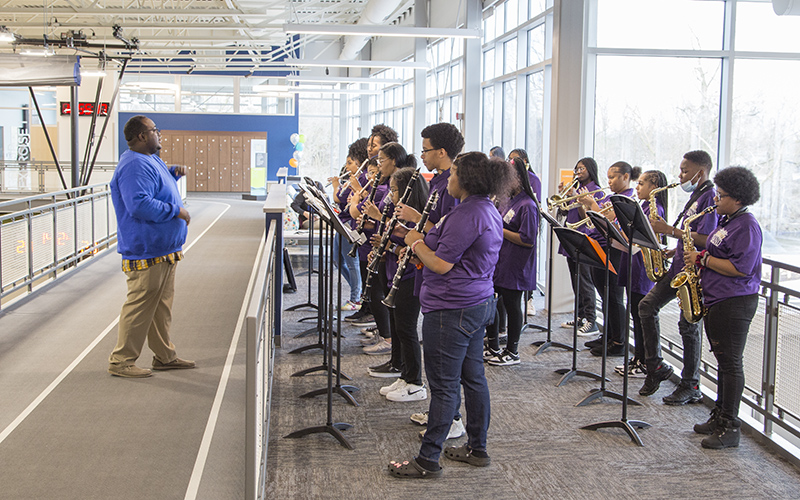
293, 163
294, 138
298, 155
302, 138
299, 146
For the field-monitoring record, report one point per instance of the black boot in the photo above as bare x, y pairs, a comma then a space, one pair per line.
711, 425
726, 435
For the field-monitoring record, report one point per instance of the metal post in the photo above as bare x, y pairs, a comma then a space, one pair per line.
75, 137
770, 363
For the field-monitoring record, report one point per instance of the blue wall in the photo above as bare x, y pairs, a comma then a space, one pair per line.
278, 129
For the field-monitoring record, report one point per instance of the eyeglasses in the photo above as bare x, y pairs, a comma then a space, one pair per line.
720, 196
428, 150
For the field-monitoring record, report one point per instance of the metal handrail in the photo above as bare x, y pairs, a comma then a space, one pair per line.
46, 260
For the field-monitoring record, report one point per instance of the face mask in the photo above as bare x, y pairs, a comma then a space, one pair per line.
688, 186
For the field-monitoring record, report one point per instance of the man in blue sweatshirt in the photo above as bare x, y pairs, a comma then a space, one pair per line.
151, 231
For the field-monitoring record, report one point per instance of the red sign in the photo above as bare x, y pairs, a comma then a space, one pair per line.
84, 108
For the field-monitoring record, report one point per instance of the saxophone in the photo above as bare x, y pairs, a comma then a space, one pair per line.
655, 260
687, 282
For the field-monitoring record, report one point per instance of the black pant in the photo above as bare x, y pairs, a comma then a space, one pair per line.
638, 336
512, 302
406, 353
362, 264
586, 298
727, 324
615, 309
377, 308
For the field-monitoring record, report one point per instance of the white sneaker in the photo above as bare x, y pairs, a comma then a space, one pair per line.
409, 392
588, 329
456, 430
397, 384
420, 418
636, 369
489, 353
531, 308
371, 340
369, 331
382, 347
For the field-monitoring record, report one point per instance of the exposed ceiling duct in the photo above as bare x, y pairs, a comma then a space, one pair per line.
376, 12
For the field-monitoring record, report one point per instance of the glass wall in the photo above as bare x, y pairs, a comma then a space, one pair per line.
684, 83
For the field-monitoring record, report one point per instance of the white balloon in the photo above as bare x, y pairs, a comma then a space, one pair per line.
298, 155
295, 138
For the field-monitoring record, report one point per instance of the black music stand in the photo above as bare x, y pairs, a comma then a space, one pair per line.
585, 251
548, 342
613, 239
334, 429
637, 230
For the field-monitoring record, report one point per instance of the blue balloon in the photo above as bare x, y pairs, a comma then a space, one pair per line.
298, 146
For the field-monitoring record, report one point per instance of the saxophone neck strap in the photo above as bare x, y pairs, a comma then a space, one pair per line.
696, 194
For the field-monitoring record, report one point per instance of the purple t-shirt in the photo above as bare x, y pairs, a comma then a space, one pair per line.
740, 242
703, 225
574, 214
366, 248
344, 215
469, 237
446, 203
516, 266
536, 185
593, 232
640, 283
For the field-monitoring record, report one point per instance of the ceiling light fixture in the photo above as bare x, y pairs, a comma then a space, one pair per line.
379, 30
338, 63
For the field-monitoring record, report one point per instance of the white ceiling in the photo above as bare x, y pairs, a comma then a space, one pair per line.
176, 35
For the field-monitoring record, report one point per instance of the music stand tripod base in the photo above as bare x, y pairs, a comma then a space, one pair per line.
601, 393
627, 425
334, 430
343, 390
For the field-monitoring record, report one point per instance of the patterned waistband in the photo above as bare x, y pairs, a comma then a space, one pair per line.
141, 265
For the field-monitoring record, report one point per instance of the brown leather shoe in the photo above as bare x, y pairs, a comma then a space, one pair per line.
175, 364
129, 371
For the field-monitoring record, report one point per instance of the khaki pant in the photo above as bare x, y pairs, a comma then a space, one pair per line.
146, 314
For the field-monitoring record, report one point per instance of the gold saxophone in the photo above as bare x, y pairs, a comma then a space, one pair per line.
687, 282
655, 260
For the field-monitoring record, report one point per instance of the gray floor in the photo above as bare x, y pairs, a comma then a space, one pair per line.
535, 441
95, 436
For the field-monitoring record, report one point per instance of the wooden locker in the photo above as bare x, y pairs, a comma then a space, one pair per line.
246, 157
236, 164
166, 154
201, 162
176, 150
188, 160
225, 163
212, 162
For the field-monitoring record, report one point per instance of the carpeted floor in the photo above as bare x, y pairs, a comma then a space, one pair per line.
537, 447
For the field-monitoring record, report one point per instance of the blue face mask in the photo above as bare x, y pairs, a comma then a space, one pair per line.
688, 186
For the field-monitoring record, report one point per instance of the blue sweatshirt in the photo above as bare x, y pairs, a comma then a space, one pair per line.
147, 203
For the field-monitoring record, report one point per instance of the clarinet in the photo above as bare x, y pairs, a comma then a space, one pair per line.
401, 266
377, 252
360, 228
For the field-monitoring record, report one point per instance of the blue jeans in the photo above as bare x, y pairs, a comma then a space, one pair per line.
350, 270
453, 340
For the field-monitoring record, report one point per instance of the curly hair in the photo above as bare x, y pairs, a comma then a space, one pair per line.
479, 175
444, 136
701, 158
386, 133
740, 184
358, 150
134, 127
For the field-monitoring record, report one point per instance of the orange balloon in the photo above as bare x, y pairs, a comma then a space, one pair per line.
293, 163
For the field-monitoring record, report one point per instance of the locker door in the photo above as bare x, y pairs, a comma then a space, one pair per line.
225, 163
246, 164
201, 161
188, 160
213, 162
236, 164
176, 151
166, 148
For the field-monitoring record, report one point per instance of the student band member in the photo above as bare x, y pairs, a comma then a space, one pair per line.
694, 177
730, 274
457, 300
620, 176
516, 267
